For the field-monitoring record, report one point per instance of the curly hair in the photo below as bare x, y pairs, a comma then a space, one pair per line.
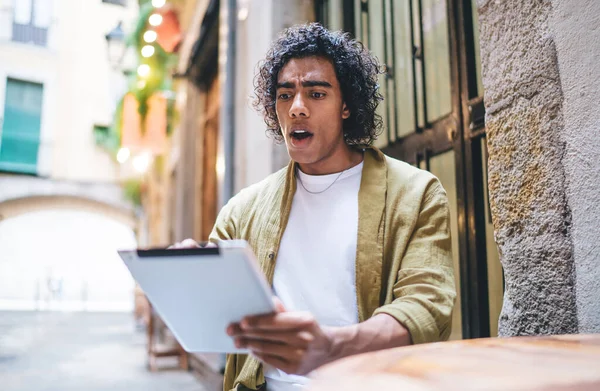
356, 70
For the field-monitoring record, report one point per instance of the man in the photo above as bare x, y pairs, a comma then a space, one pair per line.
355, 244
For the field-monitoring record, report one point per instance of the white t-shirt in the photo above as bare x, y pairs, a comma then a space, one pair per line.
315, 268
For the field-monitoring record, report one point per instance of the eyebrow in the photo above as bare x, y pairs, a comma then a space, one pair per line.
306, 83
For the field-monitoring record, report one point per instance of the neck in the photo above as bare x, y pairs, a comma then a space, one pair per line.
332, 166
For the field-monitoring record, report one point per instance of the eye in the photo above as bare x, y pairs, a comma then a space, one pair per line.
318, 95
283, 96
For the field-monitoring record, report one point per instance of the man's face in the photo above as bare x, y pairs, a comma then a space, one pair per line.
311, 111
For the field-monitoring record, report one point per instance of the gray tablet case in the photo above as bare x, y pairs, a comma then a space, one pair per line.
198, 292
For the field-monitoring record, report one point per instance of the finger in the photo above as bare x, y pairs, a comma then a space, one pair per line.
189, 243
234, 329
278, 321
279, 307
285, 352
298, 339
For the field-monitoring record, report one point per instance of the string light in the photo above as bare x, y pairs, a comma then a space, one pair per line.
150, 36
123, 155
142, 162
155, 20
158, 3
243, 14
243, 9
148, 51
143, 70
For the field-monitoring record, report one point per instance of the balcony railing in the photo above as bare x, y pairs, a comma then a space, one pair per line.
30, 34
116, 2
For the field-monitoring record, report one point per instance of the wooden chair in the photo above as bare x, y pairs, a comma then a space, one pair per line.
160, 345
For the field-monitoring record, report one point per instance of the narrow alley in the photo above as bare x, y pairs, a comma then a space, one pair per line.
47, 351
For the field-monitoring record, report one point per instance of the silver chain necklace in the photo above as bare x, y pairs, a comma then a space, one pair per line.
317, 192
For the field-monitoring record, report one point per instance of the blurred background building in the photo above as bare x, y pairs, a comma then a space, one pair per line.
63, 211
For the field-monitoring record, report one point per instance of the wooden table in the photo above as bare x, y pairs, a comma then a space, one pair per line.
523, 363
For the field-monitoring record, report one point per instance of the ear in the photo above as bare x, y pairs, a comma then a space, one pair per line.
345, 111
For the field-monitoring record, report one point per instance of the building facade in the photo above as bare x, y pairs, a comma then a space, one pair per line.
58, 188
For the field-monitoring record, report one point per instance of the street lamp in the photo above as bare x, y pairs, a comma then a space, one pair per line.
115, 41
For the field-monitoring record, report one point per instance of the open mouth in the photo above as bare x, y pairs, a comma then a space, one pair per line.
300, 134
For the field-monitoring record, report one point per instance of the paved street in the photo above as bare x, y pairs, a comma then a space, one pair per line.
47, 351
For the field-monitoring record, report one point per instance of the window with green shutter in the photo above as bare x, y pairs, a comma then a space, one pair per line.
20, 137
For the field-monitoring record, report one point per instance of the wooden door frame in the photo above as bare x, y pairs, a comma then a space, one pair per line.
460, 131
473, 259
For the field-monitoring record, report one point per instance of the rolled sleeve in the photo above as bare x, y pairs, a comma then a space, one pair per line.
224, 228
424, 291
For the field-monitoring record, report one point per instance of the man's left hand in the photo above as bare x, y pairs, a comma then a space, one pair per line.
291, 341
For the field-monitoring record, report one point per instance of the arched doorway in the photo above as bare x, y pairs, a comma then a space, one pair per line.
59, 253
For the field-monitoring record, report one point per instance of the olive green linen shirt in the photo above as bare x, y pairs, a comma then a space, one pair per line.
403, 255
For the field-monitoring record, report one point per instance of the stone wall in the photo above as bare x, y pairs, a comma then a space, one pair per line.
527, 181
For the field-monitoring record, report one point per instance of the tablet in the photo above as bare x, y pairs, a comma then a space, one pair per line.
198, 292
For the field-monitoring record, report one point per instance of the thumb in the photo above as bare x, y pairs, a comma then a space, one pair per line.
279, 307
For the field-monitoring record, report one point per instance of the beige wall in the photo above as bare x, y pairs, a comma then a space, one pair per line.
252, 148
577, 36
257, 155
80, 88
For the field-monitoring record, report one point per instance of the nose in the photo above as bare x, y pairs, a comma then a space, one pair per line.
298, 108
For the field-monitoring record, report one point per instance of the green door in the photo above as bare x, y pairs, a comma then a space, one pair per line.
20, 137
